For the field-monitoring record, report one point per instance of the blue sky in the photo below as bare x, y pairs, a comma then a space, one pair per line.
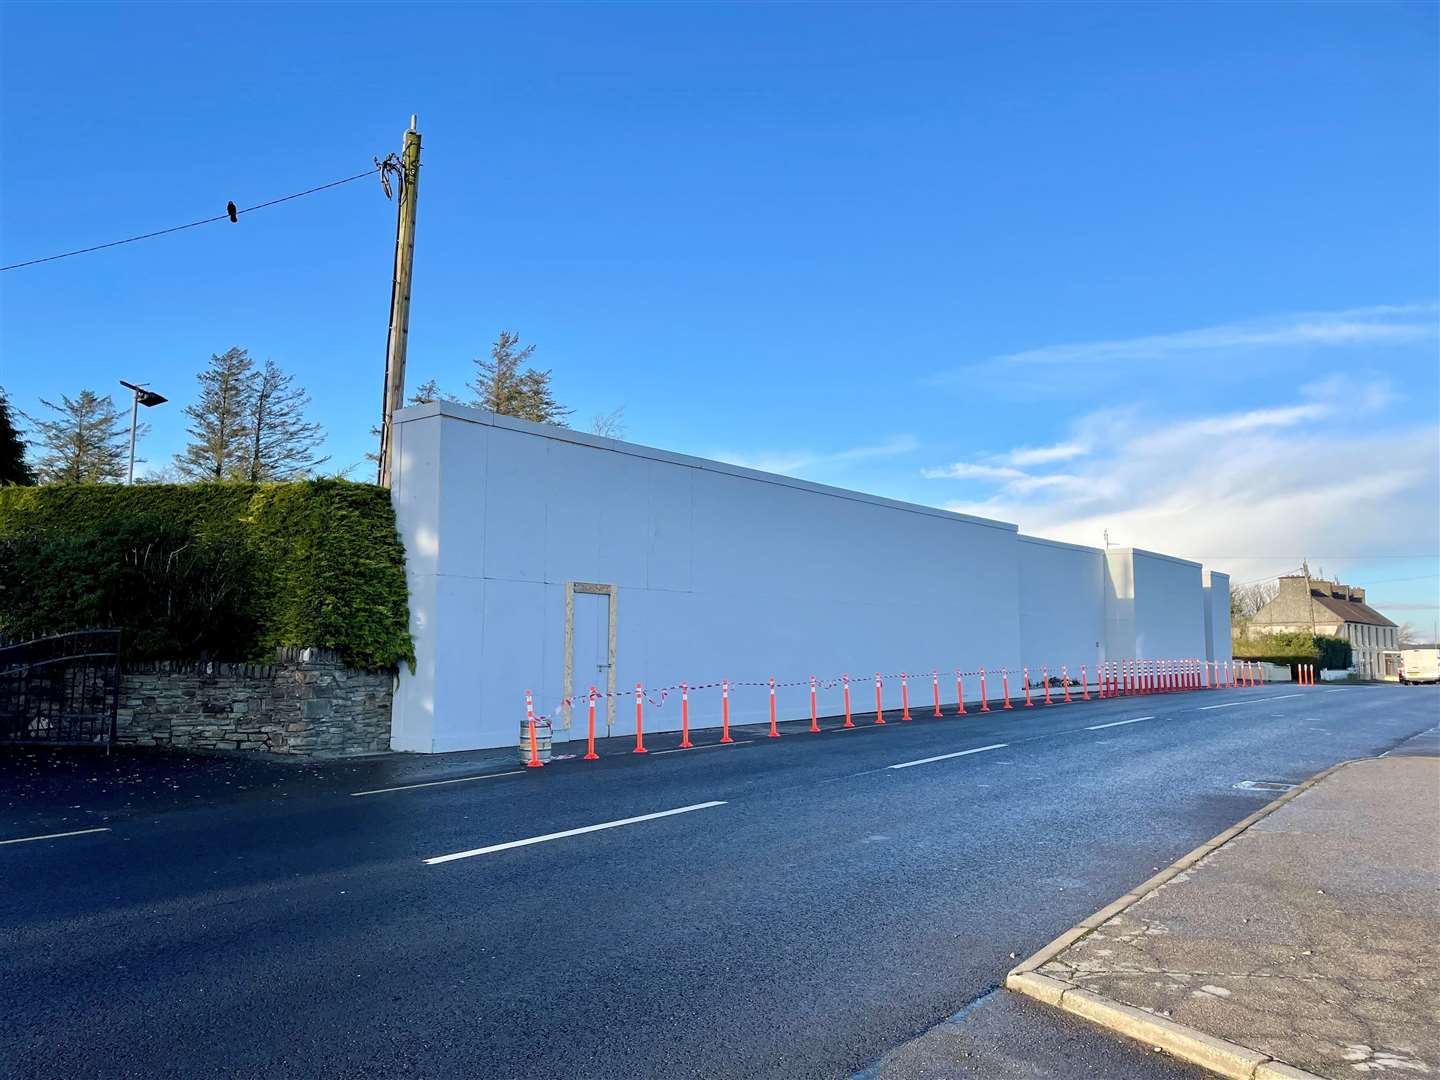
1165, 270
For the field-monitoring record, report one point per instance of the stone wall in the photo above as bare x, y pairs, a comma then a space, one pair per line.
306, 702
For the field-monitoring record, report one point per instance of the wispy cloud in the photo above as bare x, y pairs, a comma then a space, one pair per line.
796, 461
1236, 423
1043, 455
1377, 325
964, 470
1251, 490
1013, 479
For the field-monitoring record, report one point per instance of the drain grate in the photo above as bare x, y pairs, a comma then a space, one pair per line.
1264, 785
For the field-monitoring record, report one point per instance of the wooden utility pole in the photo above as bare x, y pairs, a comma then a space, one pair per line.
400, 293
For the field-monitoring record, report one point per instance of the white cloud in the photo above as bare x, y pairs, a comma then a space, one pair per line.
789, 462
1377, 325
1043, 455
1238, 423
964, 470
1251, 492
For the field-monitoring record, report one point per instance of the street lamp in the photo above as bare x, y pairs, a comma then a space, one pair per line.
149, 399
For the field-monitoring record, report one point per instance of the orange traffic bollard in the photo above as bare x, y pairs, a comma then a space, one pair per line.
1005, 685
814, 719
959, 693
1065, 680
725, 711
935, 680
1045, 671
774, 734
685, 743
590, 754
639, 722
879, 708
1025, 679
984, 698
848, 722
534, 762
904, 696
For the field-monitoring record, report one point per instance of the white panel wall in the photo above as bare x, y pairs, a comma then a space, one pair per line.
1062, 605
1217, 616
723, 572
1169, 606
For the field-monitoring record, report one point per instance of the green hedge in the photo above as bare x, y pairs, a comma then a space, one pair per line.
1295, 647
229, 570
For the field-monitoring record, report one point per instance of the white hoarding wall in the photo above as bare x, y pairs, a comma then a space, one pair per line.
1169, 606
548, 560
1062, 606
1217, 616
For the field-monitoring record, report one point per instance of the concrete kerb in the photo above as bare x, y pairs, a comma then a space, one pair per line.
1187, 1043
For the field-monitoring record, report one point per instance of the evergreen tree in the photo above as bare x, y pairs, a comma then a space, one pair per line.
86, 444
503, 386
424, 394
220, 439
429, 391
281, 441
14, 469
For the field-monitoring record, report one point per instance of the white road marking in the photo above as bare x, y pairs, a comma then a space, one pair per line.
707, 746
569, 832
52, 836
1118, 723
436, 783
1252, 701
1340, 691
946, 757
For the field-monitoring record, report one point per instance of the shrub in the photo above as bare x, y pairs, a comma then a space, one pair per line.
1336, 654
1295, 647
226, 569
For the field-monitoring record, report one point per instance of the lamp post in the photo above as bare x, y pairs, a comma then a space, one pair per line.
149, 399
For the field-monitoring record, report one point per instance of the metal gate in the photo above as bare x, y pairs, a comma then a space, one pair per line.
61, 690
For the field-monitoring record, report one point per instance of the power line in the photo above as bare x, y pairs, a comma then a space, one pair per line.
1347, 558
194, 224
1382, 581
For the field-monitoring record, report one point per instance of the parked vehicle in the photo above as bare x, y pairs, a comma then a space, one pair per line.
1420, 664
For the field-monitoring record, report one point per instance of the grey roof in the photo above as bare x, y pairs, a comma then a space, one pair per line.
1351, 610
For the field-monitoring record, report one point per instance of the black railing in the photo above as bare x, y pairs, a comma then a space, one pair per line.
61, 690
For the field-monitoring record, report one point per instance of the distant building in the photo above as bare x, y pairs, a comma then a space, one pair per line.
1336, 610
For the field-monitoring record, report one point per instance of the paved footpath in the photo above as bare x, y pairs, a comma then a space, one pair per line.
1312, 937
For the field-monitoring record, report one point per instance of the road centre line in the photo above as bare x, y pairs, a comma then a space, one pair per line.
1252, 701
946, 757
569, 832
436, 783
52, 836
1118, 723
706, 746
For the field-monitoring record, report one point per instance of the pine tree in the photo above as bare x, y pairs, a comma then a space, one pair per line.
282, 442
502, 386
220, 438
427, 392
87, 444
14, 469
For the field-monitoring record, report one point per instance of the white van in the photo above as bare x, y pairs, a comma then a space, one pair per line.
1420, 664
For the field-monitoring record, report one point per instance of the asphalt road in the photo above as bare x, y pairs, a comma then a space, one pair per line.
811, 909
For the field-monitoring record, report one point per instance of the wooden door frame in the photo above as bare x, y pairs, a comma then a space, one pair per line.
566, 710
